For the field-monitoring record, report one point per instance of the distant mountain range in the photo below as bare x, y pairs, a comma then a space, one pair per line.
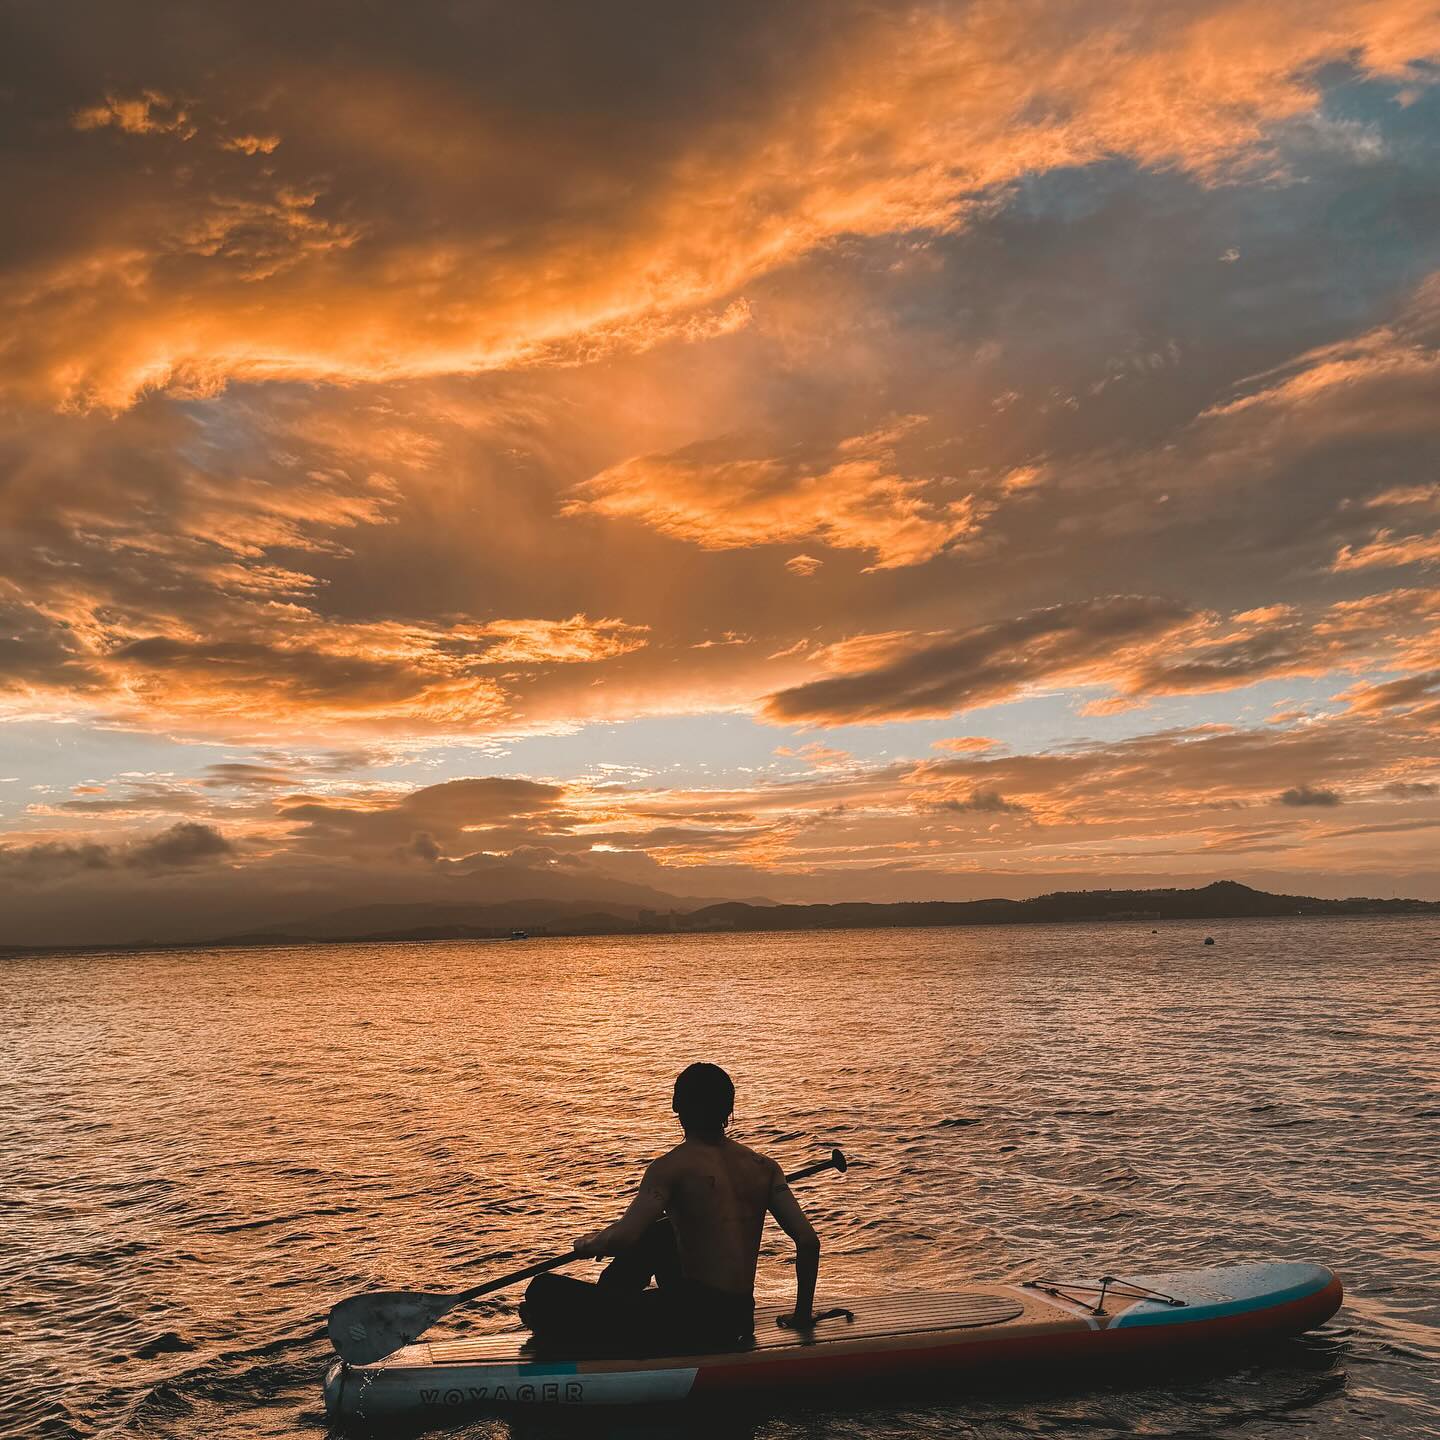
462, 922
1223, 899
538, 917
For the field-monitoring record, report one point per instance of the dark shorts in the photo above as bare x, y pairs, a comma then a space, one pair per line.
619, 1314
684, 1318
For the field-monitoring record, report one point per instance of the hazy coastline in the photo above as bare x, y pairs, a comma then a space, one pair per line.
542, 919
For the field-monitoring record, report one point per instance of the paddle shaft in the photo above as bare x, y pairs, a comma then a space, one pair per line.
836, 1161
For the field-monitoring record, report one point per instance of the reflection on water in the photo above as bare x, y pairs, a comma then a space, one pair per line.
204, 1150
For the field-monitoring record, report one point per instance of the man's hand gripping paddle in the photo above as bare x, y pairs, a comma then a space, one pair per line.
366, 1328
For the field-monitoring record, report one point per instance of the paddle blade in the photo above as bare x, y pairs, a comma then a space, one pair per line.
367, 1328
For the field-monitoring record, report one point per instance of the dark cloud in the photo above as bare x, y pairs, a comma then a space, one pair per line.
451, 818
185, 844
182, 846
1412, 789
35, 654
1395, 827
1170, 774
135, 798
309, 675
423, 846
1280, 649
700, 840
1302, 795
244, 775
981, 666
983, 802
51, 858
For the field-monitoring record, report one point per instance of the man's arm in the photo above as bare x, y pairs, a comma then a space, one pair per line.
645, 1209
786, 1210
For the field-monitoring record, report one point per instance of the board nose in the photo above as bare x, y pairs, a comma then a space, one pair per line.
1303, 1277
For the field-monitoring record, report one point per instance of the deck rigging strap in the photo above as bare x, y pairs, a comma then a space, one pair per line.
1109, 1285
785, 1322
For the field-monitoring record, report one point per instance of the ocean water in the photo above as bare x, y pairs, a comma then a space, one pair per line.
201, 1151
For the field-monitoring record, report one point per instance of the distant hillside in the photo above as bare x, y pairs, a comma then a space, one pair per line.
1223, 899
452, 922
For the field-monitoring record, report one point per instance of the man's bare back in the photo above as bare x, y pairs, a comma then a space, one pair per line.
715, 1194
717, 1197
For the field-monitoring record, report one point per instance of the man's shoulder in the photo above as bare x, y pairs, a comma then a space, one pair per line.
670, 1159
764, 1162
687, 1157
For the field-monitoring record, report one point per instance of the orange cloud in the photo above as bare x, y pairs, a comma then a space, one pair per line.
899, 122
1420, 688
297, 673
1389, 551
460, 389
820, 757
850, 496
965, 744
252, 144
522, 642
149, 113
1400, 496
1314, 379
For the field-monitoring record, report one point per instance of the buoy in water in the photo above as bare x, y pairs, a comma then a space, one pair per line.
1209, 939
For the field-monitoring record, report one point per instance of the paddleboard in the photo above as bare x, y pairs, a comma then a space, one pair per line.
1055, 1322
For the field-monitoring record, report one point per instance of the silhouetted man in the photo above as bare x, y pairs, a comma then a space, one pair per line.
695, 1227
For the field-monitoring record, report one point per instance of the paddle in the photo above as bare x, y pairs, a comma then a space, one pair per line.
366, 1328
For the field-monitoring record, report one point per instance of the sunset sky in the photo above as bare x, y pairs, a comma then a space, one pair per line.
816, 451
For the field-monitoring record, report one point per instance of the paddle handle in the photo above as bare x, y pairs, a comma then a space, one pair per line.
837, 1161
514, 1277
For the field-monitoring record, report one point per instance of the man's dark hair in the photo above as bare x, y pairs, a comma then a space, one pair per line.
704, 1099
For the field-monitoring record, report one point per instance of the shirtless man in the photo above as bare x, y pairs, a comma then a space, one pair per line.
715, 1194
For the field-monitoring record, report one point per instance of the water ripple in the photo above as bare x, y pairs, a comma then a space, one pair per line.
204, 1150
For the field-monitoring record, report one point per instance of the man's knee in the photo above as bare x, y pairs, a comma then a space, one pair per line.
545, 1285
549, 1298
653, 1256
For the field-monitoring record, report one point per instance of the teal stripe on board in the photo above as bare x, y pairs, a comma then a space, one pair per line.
1191, 1313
